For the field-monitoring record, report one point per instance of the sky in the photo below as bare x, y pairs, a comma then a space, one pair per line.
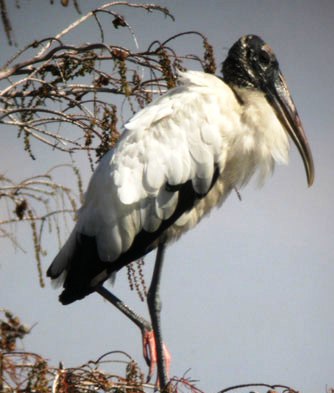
247, 295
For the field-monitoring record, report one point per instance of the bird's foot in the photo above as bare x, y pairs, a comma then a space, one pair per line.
150, 354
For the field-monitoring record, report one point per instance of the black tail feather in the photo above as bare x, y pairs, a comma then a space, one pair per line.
85, 265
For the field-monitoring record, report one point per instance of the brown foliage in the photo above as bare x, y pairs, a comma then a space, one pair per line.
72, 98
27, 372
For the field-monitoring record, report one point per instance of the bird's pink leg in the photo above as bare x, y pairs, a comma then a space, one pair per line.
150, 354
149, 342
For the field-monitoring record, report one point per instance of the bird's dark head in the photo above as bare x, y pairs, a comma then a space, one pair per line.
252, 64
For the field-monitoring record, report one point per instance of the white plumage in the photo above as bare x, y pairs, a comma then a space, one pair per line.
184, 135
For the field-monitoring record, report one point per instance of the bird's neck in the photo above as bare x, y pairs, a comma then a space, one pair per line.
261, 140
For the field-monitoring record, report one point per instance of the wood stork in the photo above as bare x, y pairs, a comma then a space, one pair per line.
177, 159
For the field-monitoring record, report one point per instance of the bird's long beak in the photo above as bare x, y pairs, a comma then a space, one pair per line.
279, 96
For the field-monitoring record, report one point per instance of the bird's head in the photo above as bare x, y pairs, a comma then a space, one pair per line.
252, 64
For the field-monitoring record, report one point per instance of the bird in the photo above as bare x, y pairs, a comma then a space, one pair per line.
176, 159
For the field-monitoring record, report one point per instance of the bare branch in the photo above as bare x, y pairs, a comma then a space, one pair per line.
73, 97
27, 371
36, 200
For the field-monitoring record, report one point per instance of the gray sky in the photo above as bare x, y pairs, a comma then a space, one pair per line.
247, 295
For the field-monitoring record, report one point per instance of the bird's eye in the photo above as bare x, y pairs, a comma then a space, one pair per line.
264, 58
